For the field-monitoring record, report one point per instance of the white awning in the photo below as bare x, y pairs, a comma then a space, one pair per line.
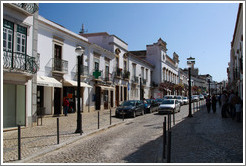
74, 83
105, 87
48, 81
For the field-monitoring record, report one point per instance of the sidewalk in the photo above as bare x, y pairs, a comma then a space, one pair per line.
41, 139
206, 138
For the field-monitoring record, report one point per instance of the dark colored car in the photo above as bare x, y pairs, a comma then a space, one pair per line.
130, 108
150, 105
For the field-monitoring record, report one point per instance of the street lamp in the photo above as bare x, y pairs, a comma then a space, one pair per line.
79, 50
209, 86
140, 87
190, 63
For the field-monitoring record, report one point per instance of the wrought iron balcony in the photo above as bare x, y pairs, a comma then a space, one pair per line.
135, 79
59, 65
144, 81
19, 62
29, 7
108, 77
84, 71
126, 75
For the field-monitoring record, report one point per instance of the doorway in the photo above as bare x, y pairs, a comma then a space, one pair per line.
57, 101
98, 98
117, 96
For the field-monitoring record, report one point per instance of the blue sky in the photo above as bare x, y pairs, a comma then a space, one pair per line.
200, 30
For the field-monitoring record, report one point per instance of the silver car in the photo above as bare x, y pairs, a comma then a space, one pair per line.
169, 106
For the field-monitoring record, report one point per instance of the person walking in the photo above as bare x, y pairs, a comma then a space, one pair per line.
232, 103
208, 103
214, 100
238, 107
223, 100
65, 105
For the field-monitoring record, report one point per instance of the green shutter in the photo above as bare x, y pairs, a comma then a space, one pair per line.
8, 24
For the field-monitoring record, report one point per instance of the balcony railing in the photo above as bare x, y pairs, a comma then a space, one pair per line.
29, 7
19, 62
59, 65
108, 77
126, 75
84, 71
135, 79
144, 81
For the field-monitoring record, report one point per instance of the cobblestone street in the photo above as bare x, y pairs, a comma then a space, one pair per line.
205, 138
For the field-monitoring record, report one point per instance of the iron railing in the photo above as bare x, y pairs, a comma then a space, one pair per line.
144, 81
59, 65
135, 79
108, 77
29, 7
20, 62
126, 74
84, 70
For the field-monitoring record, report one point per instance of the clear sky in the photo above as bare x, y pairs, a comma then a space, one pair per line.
201, 30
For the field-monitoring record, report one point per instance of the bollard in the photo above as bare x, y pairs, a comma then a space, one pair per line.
81, 131
57, 122
164, 138
173, 117
98, 126
110, 117
19, 142
169, 147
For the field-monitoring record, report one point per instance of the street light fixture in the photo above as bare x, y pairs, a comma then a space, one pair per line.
79, 50
190, 63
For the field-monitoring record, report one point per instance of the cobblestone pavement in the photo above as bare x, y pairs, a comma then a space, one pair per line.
206, 138
37, 139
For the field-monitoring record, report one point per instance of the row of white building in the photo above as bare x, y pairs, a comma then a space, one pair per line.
40, 68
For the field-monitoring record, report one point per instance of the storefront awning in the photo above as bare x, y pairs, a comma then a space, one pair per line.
48, 81
74, 83
105, 87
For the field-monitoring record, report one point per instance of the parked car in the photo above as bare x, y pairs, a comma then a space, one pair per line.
150, 106
180, 100
159, 101
201, 97
185, 100
130, 108
169, 105
194, 98
169, 97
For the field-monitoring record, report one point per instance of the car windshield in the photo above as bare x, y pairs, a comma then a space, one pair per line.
149, 101
159, 100
179, 97
168, 102
128, 103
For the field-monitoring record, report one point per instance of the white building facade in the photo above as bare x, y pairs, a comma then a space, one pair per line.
19, 63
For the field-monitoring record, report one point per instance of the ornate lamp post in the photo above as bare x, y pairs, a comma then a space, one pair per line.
190, 63
79, 50
140, 87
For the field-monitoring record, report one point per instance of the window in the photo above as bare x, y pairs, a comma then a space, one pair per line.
96, 64
8, 33
21, 39
125, 65
117, 62
134, 69
147, 72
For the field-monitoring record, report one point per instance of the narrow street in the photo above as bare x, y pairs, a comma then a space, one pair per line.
136, 141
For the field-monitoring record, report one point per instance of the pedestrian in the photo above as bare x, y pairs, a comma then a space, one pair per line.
214, 100
223, 100
232, 103
238, 107
65, 105
208, 103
